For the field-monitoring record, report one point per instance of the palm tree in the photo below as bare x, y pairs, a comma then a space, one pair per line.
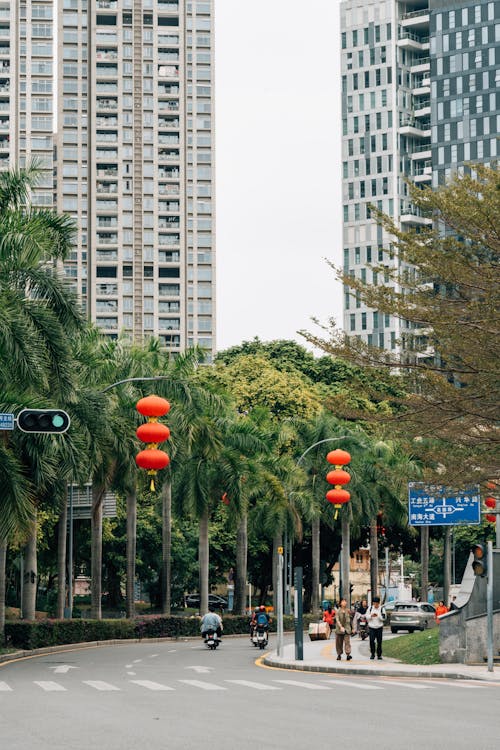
38, 315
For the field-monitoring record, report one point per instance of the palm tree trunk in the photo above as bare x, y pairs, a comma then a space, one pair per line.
3, 558
447, 565
61, 562
166, 555
315, 544
96, 551
277, 542
373, 558
345, 557
131, 551
203, 560
241, 565
30, 573
424, 559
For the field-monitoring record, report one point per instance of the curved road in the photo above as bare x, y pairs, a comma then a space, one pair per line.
179, 695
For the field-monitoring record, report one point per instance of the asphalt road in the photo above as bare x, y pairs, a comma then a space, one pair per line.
179, 695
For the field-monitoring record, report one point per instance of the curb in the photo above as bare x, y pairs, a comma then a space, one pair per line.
354, 670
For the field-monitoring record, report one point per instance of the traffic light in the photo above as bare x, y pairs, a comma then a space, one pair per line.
479, 563
43, 420
491, 503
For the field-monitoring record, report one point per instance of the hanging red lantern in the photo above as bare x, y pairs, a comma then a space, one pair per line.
152, 432
225, 499
153, 406
491, 503
152, 459
338, 497
338, 476
338, 457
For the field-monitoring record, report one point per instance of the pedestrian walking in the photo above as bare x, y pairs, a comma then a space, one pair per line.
343, 630
376, 618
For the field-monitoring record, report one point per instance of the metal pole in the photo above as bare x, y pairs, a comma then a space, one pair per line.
280, 601
21, 586
489, 605
70, 554
497, 524
387, 574
299, 626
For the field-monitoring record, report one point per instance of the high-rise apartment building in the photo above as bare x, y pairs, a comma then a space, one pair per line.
26, 91
134, 152
135, 147
419, 98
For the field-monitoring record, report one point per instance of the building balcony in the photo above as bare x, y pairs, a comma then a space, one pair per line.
107, 4
416, 20
168, 71
423, 65
421, 152
410, 214
416, 129
106, 54
422, 174
424, 110
421, 86
410, 41
106, 105
167, 6
107, 188
168, 189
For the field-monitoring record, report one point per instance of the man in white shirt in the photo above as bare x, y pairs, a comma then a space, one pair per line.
376, 618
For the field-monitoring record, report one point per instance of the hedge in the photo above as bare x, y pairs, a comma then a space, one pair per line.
42, 633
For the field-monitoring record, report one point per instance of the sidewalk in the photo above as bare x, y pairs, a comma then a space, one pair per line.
320, 656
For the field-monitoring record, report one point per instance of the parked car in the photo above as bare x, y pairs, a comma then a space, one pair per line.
214, 600
412, 616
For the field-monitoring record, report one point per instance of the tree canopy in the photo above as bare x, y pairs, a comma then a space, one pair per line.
444, 288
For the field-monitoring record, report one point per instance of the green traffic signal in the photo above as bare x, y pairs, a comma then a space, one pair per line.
43, 420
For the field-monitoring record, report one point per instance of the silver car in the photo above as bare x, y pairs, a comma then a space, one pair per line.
412, 616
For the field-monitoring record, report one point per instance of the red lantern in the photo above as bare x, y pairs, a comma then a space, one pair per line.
338, 497
491, 503
153, 406
153, 432
338, 476
338, 457
225, 499
152, 459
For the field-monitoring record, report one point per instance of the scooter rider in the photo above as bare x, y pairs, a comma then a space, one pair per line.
262, 619
361, 611
253, 621
211, 621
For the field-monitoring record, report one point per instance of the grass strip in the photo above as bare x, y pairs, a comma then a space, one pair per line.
415, 648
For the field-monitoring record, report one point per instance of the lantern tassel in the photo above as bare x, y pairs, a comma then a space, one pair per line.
152, 485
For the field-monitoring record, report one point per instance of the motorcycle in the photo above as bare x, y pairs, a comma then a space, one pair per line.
260, 637
211, 640
362, 627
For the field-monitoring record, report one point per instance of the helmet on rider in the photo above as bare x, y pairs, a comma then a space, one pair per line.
262, 608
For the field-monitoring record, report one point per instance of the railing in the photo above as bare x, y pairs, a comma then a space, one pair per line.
421, 147
414, 37
415, 14
420, 61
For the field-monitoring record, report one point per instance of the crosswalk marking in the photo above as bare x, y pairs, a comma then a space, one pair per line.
360, 685
150, 685
100, 685
203, 685
4, 687
48, 686
307, 685
459, 684
400, 683
255, 685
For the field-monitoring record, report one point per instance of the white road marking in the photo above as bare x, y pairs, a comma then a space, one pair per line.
63, 668
397, 683
100, 685
49, 686
172, 651
255, 685
460, 684
307, 685
200, 670
203, 685
151, 685
152, 656
128, 666
136, 661
4, 687
131, 674
349, 683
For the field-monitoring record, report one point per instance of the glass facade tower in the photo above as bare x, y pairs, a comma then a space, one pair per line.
419, 98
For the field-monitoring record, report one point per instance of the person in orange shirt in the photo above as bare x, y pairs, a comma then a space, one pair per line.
441, 609
329, 616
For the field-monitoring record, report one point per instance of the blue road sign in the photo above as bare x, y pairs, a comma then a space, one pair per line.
437, 505
6, 421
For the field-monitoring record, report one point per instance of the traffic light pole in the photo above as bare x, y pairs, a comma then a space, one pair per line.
489, 604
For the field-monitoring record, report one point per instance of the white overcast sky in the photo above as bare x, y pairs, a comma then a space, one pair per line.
278, 167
